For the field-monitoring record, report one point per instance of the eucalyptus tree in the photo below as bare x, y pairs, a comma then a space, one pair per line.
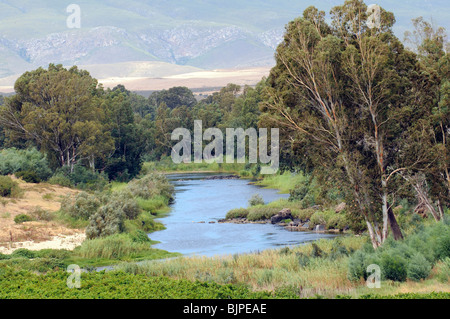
344, 91
60, 111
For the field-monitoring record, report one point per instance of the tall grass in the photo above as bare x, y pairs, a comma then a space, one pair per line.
266, 270
284, 182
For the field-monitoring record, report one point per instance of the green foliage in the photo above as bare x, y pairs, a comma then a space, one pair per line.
82, 206
418, 267
22, 252
28, 176
80, 177
115, 284
256, 200
106, 221
412, 258
151, 185
113, 247
431, 295
330, 219
33, 163
22, 218
257, 213
237, 213
394, 266
8, 187
443, 270
61, 180
41, 214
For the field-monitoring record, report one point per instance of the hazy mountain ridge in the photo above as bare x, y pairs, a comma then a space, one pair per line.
204, 34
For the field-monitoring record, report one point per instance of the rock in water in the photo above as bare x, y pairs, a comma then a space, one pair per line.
283, 214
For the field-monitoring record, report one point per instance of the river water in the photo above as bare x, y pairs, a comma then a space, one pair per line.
199, 202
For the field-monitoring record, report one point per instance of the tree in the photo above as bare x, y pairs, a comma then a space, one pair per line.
129, 138
56, 108
173, 97
431, 180
344, 92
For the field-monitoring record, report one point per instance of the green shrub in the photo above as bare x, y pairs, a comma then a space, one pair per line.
418, 267
41, 214
443, 270
4, 257
393, 266
22, 218
82, 206
28, 176
139, 236
151, 185
111, 247
255, 200
442, 249
108, 220
357, 266
61, 180
153, 204
8, 187
256, 213
237, 213
82, 178
30, 160
22, 252
53, 253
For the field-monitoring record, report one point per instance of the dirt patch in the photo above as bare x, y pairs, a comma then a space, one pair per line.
34, 196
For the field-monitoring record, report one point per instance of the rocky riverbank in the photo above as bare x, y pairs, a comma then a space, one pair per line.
285, 219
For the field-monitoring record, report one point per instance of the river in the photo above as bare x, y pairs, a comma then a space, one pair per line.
192, 228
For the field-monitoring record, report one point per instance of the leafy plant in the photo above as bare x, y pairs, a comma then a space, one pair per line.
8, 187
22, 218
255, 200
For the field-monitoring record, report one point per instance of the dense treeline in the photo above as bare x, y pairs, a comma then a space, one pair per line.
367, 115
69, 117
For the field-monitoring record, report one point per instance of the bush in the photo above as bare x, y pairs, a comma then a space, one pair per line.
61, 180
393, 266
151, 185
256, 213
41, 214
255, 200
111, 247
83, 206
82, 178
8, 187
442, 270
125, 202
105, 222
22, 218
237, 213
30, 160
418, 267
22, 252
139, 236
28, 176
357, 266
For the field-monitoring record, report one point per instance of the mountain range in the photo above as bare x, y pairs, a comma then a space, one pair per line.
172, 36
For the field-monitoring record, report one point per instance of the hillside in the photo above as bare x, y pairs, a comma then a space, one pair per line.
43, 232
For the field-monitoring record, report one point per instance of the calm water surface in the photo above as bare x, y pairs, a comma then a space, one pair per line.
198, 200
